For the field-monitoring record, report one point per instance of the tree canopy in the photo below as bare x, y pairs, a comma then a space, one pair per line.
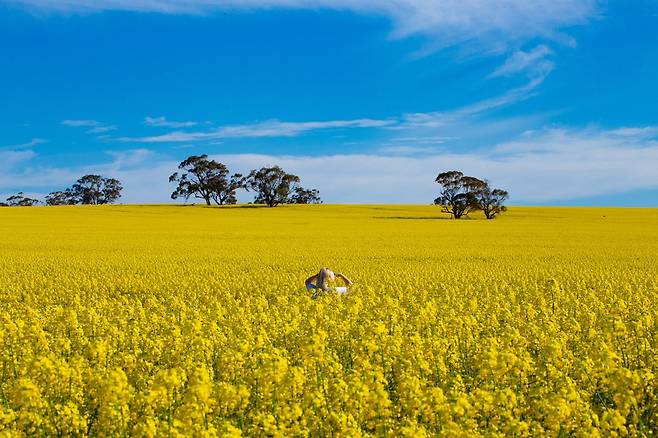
96, 190
274, 186
462, 194
66, 197
457, 195
206, 179
20, 200
490, 201
305, 196
88, 189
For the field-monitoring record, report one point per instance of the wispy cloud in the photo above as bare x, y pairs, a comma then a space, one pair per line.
81, 123
407, 150
131, 157
95, 127
426, 140
414, 145
543, 166
534, 63
10, 159
101, 129
439, 119
405, 122
163, 122
27, 145
489, 24
271, 128
650, 132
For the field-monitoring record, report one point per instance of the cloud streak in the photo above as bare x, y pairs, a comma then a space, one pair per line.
81, 123
490, 24
95, 127
534, 63
9, 159
27, 145
440, 119
407, 150
101, 129
163, 122
270, 128
278, 128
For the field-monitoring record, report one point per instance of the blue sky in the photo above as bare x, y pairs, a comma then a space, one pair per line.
366, 100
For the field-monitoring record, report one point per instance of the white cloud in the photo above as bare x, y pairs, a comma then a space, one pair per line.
406, 122
81, 123
490, 24
163, 122
11, 158
142, 172
544, 166
27, 145
101, 129
440, 119
10, 161
425, 139
406, 150
131, 158
534, 63
95, 126
270, 128
645, 132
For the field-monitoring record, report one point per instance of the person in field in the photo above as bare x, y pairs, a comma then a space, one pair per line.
320, 282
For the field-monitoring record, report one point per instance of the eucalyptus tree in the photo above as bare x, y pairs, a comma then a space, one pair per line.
206, 179
95, 190
457, 196
274, 186
462, 194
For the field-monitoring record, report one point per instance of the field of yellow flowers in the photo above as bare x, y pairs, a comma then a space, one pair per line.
185, 320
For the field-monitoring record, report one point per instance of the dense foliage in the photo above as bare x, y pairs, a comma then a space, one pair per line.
274, 186
207, 179
88, 190
19, 200
462, 194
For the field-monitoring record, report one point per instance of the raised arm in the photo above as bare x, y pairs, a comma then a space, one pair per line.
347, 281
309, 281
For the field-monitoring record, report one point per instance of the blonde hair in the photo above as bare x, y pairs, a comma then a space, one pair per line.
321, 280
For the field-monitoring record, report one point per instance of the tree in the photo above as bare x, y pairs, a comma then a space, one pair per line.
66, 197
458, 193
491, 201
224, 190
206, 179
19, 200
96, 190
273, 186
305, 196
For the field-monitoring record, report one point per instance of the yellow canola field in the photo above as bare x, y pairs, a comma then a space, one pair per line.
186, 320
